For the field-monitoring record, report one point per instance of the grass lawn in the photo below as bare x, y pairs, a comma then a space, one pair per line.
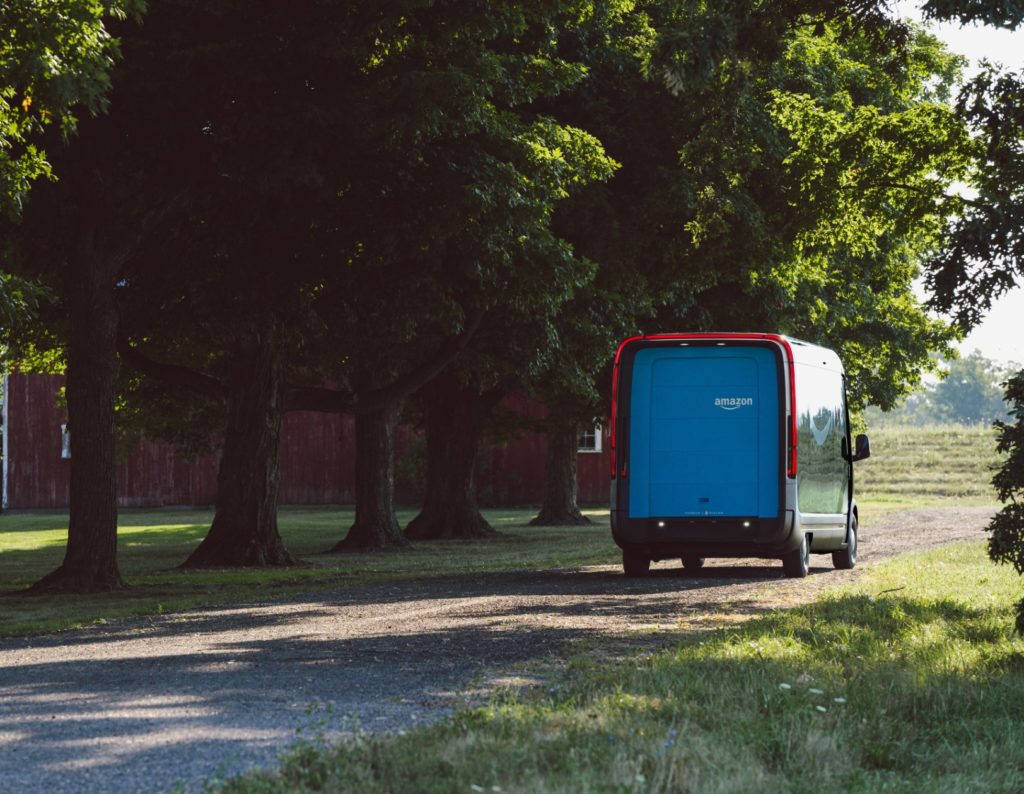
910, 681
911, 467
151, 543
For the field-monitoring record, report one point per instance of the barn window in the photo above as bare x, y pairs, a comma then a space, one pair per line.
65, 441
590, 440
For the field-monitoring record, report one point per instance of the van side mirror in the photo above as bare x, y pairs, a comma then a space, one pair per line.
862, 448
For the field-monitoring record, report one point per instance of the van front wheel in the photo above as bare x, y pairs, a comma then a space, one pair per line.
845, 559
635, 563
797, 563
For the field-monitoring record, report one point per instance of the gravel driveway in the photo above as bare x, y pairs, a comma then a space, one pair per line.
145, 704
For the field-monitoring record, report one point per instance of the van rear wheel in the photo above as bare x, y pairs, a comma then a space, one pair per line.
797, 563
845, 559
635, 563
692, 562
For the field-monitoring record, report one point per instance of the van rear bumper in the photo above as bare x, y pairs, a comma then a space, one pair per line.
661, 538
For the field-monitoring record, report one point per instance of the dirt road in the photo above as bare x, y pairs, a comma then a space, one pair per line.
146, 704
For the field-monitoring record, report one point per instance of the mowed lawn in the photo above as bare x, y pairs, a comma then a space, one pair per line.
910, 467
153, 543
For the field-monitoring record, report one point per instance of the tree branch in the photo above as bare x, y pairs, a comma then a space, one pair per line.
117, 258
318, 398
916, 189
172, 374
315, 398
498, 392
406, 384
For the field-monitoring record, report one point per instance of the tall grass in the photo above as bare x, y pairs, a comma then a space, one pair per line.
939, 464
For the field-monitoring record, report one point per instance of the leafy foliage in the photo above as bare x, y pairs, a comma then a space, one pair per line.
983, 253
998, 13
55, 57
19, 300
55, 61
1006, 544
872, 151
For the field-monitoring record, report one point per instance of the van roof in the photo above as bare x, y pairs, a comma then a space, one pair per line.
801, 352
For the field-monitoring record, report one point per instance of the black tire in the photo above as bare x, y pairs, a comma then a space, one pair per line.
692, 563
635, 563
845, 559
797, 563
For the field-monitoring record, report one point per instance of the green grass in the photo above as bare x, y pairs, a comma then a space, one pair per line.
910, 467
910, 681
151, 543
919, 466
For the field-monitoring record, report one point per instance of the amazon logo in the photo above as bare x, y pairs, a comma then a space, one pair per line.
732, 403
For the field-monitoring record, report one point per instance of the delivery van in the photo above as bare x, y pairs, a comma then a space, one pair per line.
731, 445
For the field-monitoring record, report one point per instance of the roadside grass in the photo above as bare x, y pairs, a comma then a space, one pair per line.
910, 680
152, 543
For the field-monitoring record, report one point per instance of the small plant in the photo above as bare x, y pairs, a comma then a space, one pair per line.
1006, 544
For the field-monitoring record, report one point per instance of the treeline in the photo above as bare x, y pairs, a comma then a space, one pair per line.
416, 208
969, 391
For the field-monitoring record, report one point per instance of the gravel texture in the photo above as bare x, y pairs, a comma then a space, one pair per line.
147, 704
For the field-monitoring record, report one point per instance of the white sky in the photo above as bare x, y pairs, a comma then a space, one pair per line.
1001, 335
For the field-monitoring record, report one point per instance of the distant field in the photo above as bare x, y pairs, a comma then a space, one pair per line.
921, 465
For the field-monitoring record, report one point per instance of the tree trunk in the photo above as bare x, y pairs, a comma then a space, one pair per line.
454, 421
559, 507
244, 530
90, 561
376, 526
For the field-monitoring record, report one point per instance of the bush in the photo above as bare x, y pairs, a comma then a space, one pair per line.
1006, 543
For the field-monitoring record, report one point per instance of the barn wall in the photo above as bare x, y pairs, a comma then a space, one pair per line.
148, 475
37, 476
317, 460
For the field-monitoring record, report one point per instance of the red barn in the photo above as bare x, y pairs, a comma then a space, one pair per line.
317, 459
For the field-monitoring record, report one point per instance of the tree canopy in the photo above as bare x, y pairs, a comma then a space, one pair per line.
334, 206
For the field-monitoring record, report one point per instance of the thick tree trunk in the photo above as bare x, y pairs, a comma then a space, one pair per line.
559, 507
90, 562
454, 421
244, 530
376, 526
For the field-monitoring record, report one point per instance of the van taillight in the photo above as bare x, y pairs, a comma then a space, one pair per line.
615, 413
791, 467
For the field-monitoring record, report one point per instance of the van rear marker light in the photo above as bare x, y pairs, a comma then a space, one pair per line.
661, 523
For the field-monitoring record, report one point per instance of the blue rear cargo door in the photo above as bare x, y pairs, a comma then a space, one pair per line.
704, 432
